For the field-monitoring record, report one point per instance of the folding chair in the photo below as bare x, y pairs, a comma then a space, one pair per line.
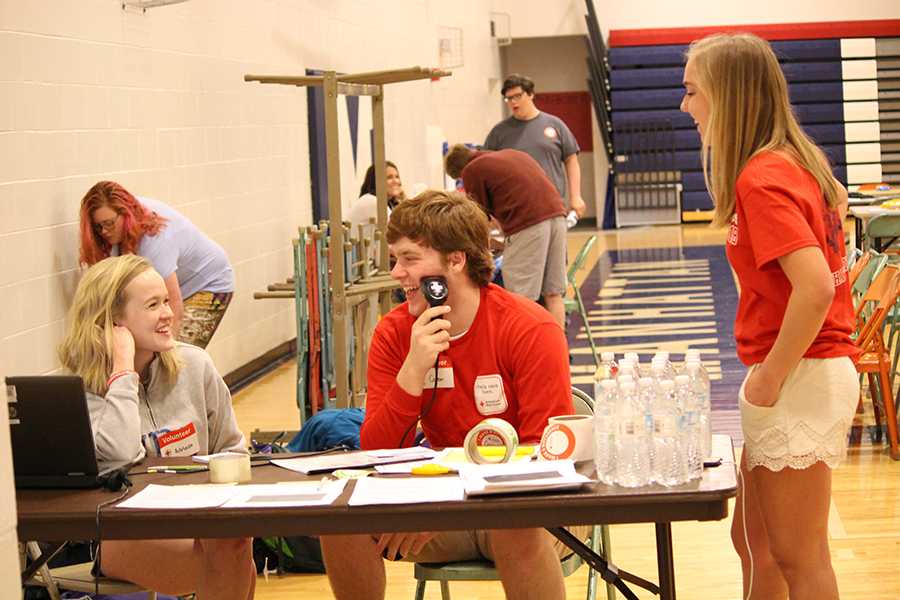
77, 578
882, 232
483, 570
864, 272
875, 358
576, 303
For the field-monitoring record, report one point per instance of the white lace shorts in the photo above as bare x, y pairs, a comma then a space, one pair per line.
810, 420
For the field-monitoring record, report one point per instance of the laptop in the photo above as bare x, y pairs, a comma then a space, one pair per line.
50, 431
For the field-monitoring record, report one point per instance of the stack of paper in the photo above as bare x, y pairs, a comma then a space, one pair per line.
514, 477
354, 460
294, 493
406, 490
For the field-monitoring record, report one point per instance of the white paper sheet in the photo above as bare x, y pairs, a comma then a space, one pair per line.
406, 490
413, 452
353, 460
179, 496
520, 477
297, 493
288, 493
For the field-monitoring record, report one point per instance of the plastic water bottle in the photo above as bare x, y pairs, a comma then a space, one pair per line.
689, 430
669, 463
626, 372
605, 398
701, 388
648, 390
635, 360
662, 358
608, 367
632, 451
691, 354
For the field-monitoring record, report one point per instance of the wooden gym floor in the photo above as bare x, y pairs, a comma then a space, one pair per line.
864, 525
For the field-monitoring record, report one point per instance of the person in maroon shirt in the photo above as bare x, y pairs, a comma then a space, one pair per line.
775, 190
513, 188
500, 356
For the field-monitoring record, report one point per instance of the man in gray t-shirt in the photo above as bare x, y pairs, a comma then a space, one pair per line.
545, 137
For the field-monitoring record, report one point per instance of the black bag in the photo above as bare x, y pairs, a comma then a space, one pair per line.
291, 554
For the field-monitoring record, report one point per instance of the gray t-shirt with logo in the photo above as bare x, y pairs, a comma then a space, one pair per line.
545, 137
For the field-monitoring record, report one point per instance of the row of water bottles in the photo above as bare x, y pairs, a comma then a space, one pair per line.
651, 422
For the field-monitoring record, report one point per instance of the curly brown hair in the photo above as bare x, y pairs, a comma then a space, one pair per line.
447, 222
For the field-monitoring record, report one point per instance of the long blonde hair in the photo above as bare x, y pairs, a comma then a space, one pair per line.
99, 300
749, 112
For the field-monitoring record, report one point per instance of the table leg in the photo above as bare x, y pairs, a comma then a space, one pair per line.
858, 232
664, 561
608, 571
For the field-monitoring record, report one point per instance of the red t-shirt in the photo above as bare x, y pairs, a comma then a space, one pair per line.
779, 209
513, 188
512, 342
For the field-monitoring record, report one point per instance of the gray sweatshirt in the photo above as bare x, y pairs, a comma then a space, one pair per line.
193, 415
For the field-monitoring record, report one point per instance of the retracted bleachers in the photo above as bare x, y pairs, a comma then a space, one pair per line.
844, 80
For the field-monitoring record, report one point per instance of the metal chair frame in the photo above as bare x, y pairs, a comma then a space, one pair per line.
485, 571
577, 303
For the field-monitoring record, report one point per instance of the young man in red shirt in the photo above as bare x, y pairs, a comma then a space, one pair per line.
512, 188
500, 356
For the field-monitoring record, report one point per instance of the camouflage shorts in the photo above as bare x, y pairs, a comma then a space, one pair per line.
203, 312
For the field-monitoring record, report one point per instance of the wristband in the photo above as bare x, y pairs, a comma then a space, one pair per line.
117, 375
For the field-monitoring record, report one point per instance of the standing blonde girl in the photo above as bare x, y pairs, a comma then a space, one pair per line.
773, 187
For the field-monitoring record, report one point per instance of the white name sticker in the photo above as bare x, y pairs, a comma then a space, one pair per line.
490, 398
444, 374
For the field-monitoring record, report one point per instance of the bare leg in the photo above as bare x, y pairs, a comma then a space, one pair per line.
354, 567
556, 307
527, 564
767, 580
220, 569
794, 504
228, 570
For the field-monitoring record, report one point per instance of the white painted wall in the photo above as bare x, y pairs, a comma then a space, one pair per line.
543, 18
157, 101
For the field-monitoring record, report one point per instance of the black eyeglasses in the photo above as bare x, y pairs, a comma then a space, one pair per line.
513, 97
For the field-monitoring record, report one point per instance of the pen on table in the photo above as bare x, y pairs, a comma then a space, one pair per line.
177, 469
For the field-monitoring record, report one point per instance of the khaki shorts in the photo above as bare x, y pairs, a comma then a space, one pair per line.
534, 260
457, 546
810, 420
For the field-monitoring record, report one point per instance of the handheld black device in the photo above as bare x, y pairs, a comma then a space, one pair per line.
434, 289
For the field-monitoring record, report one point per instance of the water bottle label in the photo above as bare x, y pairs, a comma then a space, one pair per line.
602, 423
664, 426
629, 427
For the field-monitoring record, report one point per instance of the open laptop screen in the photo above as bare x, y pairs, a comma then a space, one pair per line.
50, 431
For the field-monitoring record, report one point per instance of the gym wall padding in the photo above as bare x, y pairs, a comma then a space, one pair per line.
844, 80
